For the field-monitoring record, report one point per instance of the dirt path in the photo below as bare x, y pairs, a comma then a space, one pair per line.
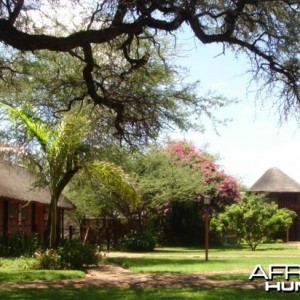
111, 275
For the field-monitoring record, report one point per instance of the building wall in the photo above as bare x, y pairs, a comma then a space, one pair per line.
23, 217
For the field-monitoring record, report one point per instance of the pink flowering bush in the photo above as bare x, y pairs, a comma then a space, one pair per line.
222, 189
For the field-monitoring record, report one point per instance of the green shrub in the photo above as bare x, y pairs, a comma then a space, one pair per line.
74, 254
71, 254
48, 259
137, 241
18, 244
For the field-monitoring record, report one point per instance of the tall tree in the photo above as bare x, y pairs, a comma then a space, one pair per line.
58, 153
265, 30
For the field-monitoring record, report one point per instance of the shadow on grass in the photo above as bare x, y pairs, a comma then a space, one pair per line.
260, 248
146, 294
224, 248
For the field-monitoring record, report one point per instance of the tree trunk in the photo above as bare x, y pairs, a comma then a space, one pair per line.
53, 238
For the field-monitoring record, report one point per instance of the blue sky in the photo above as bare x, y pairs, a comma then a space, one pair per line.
254, 140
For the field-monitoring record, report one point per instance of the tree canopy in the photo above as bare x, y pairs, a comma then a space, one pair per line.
153, 99
265, 30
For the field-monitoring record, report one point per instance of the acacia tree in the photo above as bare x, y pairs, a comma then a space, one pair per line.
266, 31
155, 97
58, 153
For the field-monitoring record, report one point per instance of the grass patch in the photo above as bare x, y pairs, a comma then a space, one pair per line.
30, 275
145, 294
19, 263
25, 269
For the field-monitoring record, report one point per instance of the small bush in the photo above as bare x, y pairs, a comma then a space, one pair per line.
137, 241
48, 259
71, 254
74, 254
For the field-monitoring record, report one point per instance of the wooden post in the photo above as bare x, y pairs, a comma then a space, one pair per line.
5, 217
33, 218
62, 224
206, 234
70, 232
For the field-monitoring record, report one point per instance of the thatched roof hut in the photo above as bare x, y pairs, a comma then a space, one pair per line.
16, 184
275, 181
285, 191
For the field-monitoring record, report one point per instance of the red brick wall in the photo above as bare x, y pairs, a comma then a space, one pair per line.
20, 217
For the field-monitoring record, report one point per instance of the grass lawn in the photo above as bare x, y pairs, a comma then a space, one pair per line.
146, 294
183, 260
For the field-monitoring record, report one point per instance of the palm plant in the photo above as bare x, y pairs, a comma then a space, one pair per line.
59, 153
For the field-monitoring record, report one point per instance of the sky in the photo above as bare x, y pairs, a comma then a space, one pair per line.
254, 140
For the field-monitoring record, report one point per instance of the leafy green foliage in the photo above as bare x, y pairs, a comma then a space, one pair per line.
48, 259
173, 181
34, 127
161, 178
71, 254
115, 178
138, 241
152, 99
254, 219
18, 244
75, 254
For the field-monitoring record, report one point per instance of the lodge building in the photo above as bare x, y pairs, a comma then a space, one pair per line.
25, 209
285, 191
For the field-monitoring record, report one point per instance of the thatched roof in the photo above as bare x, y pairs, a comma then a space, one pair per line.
16, 183
275, 181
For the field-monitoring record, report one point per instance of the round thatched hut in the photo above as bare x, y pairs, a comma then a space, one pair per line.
285, 191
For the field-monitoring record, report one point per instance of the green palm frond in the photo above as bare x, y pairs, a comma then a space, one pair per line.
40, 131
115, 178
70, 133
67, 142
